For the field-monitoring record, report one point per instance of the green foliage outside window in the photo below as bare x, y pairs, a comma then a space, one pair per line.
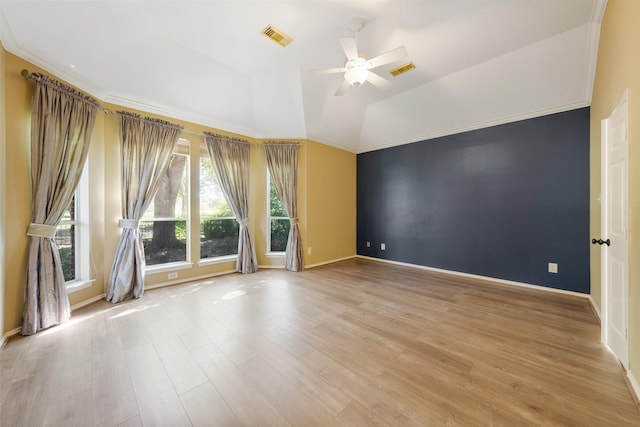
219, 230
280, 225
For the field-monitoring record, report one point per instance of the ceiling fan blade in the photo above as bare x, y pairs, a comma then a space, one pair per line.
378, 81
329, 70
387, 57
349, 47
342, 89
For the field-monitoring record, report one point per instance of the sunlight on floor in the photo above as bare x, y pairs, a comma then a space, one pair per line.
74, 320
134, 310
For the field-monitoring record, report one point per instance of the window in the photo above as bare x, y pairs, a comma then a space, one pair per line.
219, 229
278, 221
164, 225
72, 238
66, 239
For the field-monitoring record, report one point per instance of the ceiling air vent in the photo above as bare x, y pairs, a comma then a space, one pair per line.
276, 35
402, 69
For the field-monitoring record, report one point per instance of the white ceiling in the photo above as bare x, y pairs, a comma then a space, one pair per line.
478, 62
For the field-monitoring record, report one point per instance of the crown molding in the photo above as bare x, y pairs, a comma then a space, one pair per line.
481, 125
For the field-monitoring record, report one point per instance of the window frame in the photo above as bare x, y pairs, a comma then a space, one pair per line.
82, 235
270, 253
182, 148
204, 153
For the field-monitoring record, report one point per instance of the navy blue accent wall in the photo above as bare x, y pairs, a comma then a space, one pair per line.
500, 202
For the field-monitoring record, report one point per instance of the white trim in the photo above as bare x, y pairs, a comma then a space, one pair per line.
188, 279
481, 125
475, 276
217, 260
79, 305
87, 302
318, 264
595, 310
320, 140
76, 285
8, 335
17, 330
634, 387
593, 42
170, 266
604, 228
271, 266
178, 114
275, 254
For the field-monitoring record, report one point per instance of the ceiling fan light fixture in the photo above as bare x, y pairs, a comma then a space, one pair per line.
356, 73
356, 76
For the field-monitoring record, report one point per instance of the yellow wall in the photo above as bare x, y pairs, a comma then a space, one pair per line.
618, 69
18, 194
331, 203
326, 183
2, 188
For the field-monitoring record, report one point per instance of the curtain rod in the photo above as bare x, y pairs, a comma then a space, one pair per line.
31, 76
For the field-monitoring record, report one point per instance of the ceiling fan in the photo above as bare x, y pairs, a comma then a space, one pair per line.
357, 69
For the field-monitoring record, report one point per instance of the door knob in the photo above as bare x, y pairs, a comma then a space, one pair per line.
601, 242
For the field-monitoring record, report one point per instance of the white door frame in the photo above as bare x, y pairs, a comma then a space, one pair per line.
605, 286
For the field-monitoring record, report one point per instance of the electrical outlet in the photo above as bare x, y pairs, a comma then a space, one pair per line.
553, 267
368, 244
383, 247
309, 250
173, 275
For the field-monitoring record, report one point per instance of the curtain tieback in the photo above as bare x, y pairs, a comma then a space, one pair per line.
293, 221
41, 230
243, 222
128, 223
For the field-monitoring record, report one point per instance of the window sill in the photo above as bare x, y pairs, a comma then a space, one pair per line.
76, 285
217, 260
171, 266
275, 254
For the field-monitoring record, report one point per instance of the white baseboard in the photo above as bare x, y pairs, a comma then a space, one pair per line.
281, 267
595, 310
478, 277
318, 264
8, 335
634, 388
188, 279
87, 302
74, 307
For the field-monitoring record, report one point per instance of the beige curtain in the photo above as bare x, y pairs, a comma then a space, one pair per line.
230, 159
282, 161
146, 147
61, 124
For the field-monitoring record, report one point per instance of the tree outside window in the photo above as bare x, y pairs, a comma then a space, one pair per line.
164, 225
278, 220
219, 229
66, 240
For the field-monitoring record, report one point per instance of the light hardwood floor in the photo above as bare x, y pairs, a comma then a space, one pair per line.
357, 343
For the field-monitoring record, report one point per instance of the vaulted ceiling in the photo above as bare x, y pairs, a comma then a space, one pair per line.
478, 62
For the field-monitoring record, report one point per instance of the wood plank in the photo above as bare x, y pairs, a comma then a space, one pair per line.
353, 343
207, 408
158, 401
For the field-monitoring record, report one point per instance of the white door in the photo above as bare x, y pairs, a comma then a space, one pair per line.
615, 208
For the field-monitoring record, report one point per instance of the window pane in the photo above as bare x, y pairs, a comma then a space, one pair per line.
279, 234
164, 225
66, 241
275, 205
164, 241
69, 214
218, 228
218, 237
